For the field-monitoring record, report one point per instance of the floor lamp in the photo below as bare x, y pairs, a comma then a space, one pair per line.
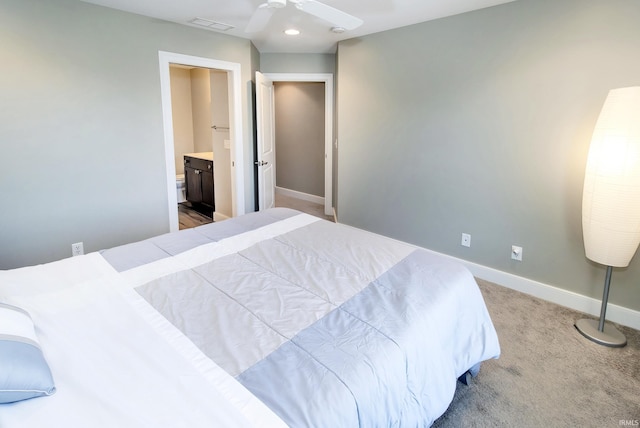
611, 199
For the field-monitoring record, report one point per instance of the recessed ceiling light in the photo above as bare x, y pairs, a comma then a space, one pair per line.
291, 32
338, 30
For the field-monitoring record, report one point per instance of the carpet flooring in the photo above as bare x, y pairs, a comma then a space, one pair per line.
301, 205
548, 374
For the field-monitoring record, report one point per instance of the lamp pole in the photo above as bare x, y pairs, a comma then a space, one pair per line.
598, 331
605, 298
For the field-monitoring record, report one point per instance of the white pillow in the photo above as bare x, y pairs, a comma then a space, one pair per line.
24, 373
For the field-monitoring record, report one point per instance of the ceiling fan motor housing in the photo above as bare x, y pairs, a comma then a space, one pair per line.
277, 4
340, 20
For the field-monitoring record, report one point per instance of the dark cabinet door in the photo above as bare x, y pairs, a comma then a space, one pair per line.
198, 177
207, 188
193, 184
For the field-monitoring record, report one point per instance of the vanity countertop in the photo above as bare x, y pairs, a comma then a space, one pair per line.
201, 155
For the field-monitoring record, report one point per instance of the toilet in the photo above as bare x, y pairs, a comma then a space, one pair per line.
180, 188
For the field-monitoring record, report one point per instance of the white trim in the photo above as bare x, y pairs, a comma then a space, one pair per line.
327, 79
235, 128
569, 299
300, 195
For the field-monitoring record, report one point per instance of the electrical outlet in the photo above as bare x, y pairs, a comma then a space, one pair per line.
77, 249
466, 240
516, 253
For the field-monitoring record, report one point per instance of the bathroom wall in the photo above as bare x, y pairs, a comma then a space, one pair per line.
221, 152
182, 114
201, 105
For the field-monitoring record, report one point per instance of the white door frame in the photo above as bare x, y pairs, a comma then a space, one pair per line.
327, 79
235, 128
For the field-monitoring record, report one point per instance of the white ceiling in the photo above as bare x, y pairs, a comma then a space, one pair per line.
316, 35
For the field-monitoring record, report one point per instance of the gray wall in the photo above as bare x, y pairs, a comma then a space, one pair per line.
297, 63
480, 123
299, 130
81, 125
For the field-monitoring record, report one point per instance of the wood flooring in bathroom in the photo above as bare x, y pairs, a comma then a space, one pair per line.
188, 217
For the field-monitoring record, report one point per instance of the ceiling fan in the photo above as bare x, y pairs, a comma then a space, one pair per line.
337, 18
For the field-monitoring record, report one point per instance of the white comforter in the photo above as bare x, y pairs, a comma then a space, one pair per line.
328, 325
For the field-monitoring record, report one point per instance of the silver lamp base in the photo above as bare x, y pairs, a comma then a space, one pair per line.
610, 336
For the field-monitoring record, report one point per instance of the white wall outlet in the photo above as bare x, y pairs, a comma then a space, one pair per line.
466, 240
77, 249
516, 253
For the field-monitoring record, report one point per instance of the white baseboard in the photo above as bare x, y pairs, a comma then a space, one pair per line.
569, 299
300, 195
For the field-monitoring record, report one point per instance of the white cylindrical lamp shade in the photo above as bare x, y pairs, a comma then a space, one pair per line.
611, 197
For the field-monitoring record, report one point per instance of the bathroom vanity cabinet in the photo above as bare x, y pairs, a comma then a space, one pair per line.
198, 177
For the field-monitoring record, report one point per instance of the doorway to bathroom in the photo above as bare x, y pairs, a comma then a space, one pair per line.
203, 139
200, 106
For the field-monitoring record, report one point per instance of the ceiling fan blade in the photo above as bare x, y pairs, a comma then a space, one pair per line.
259, 19
330, 14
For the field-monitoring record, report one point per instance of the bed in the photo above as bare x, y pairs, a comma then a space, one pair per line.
275, 318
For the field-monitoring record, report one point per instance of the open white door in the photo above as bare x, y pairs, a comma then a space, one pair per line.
266, 159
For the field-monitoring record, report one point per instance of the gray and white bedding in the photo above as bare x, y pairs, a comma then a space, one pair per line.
328, 325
